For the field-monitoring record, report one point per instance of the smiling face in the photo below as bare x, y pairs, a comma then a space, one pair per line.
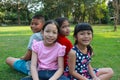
50, 34
36, 25
84, 37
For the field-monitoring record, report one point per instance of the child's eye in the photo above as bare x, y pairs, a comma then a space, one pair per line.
65, 26
81, 33
36, 23
54, 32
47, 31
89, 33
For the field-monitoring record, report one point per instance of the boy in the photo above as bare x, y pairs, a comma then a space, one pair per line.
23, 64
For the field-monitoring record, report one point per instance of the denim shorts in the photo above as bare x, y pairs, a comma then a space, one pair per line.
46, 75
22, 66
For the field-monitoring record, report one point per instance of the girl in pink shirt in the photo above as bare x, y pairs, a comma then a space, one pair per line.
47, 56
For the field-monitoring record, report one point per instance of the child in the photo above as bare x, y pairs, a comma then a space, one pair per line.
22, 64
62, 39
48, 55
79, 58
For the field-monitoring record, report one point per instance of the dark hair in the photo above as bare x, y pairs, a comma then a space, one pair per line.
81, 27
40, 17
51, 22
60, 20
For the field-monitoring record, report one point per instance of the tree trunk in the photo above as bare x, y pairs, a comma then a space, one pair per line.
18, 10
116, 13
115, 24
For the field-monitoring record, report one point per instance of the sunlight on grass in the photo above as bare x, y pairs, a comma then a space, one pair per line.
15, 34
106, 31
109, 35
15, 28
15, 31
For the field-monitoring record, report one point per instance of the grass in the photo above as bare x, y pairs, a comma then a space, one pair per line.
106, 45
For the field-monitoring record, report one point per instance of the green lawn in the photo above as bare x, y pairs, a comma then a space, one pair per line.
106, 45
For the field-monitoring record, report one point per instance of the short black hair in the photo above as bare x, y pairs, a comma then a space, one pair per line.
40, 17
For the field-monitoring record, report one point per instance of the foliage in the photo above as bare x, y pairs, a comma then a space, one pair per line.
93, 11
14, 10
2, 15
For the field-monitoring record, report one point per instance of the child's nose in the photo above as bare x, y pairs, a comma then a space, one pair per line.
86, 35
32, 26
50, 34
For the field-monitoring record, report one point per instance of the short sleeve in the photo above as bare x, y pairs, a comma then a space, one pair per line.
30, 43
35, 36
62, 51
35, 46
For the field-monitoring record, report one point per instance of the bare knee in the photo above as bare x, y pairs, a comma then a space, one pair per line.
10, 61
105, 73
110, 71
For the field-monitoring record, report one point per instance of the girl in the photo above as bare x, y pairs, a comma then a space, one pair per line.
64, 27
79, 58
48, 55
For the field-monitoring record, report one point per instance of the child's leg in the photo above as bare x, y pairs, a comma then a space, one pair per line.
22, 66
10, 61
105, 73
19, 65
27, 78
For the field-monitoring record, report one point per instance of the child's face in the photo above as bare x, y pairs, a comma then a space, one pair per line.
84, 37
65, 28
50, 34
36, 25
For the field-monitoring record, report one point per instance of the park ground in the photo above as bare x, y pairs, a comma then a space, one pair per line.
106, 46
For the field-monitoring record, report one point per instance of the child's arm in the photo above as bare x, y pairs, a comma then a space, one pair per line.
27, 56
72, 64
92, 73
59, 72
28, 53
34, 71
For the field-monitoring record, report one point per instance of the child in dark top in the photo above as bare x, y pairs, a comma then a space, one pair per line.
79, 57
64, 26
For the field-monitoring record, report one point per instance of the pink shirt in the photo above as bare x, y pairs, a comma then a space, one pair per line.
48, 56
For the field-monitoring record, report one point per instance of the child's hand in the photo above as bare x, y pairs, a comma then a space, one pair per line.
85, 78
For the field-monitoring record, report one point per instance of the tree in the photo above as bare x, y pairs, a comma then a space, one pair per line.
89, 10
15, 8
52, 9
116, 6
93, 11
